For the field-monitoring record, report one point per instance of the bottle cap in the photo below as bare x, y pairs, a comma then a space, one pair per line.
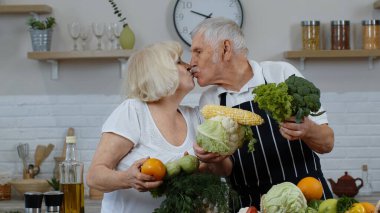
371, 22
71, 139
53, 198
340, 23
365, 167
310, 23
33, 200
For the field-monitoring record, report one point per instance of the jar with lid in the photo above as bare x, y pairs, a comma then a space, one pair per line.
340, 35
310, 35
371, 34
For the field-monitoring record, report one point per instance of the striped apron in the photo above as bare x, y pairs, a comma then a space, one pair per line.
275, 160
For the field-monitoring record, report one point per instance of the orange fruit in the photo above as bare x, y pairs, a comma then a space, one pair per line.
369, 207
311, 188
154, 167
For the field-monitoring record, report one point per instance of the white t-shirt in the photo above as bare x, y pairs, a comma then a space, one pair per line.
133, 120
274, 72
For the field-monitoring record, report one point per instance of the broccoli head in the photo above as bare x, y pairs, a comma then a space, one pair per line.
305, 97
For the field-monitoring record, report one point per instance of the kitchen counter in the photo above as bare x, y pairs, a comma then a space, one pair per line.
93, 206
373, 198
90, 206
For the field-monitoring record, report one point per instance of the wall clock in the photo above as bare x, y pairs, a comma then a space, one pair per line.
188, 13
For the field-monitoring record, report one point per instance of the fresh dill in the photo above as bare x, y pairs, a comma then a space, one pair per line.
195, 193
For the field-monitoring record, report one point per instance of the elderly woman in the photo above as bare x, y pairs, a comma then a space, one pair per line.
150, 123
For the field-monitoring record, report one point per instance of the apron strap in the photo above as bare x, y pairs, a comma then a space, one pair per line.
223, 99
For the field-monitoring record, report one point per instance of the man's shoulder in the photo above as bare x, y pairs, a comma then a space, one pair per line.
209, 96
276, 65
278, 71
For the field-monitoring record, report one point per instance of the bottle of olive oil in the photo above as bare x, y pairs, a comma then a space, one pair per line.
71, 179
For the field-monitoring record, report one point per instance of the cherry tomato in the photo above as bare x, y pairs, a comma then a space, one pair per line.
252, 209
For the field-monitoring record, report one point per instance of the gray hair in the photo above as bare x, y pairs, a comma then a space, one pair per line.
218, 29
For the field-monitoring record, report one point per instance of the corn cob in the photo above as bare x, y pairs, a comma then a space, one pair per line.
243, 117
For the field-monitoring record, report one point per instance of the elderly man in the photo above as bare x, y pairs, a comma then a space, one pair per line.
285, 152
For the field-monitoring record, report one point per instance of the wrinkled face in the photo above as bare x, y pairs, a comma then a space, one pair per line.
186, 82
204, 60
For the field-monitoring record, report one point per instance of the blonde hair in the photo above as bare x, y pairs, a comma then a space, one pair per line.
152, 72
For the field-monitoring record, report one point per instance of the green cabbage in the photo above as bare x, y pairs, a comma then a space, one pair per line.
284, 198
212, 136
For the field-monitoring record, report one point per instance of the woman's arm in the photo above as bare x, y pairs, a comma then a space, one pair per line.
102, 174
320, 138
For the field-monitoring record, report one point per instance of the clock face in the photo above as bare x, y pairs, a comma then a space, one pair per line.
188, 13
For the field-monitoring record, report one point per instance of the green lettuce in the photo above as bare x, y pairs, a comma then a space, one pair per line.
284, 198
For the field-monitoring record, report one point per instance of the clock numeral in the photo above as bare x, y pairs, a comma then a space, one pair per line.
185, 30
237, 16
187, 4
179, 16
232, 3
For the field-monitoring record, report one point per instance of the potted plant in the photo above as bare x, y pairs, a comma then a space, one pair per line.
126, 37
41, 30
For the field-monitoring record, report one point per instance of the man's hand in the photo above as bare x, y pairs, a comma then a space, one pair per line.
294, 131
212, 162
320, 138
207, 157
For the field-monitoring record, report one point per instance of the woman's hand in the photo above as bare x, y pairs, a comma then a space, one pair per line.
138, 180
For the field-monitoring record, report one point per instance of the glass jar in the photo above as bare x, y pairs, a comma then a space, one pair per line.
310, 35
371, 34
340, 35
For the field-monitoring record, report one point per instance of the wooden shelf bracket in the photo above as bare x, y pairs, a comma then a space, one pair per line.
54, 69
302, 63
370, 62
123, 66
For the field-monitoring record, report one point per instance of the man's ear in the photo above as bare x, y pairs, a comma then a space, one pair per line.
227, 50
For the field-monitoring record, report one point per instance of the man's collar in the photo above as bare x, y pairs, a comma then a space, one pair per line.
254, 81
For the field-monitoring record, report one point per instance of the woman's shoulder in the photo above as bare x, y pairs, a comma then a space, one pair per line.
131, 104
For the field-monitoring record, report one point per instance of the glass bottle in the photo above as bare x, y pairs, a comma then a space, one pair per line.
340, 35
71, 179
367, 187
310, 35
371, 34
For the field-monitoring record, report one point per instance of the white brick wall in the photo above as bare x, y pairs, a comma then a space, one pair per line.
355, 118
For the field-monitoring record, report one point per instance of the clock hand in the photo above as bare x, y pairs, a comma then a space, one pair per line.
198, 13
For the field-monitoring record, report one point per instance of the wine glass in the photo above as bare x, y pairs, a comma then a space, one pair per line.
110, 35
117, 28
98, 29
74, 30
84, 34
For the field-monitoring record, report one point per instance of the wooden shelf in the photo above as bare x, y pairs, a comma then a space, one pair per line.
304, 54
331, 54
376, 5
21, 9
74, 55
53, 57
